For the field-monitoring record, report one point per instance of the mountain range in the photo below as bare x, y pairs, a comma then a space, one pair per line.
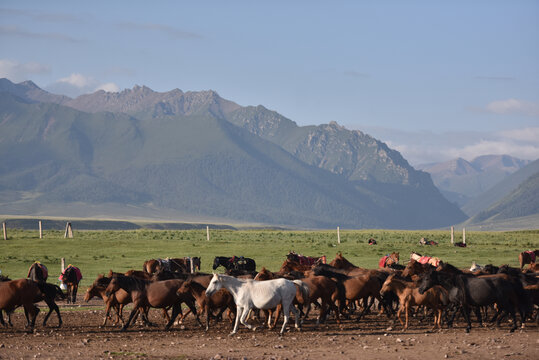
194, 155
462, 181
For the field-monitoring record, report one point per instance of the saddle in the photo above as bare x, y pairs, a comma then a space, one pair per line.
382, 262
164, 264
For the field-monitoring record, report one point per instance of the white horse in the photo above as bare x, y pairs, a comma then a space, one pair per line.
250, 294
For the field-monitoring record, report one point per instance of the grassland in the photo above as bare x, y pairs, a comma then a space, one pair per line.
96, 252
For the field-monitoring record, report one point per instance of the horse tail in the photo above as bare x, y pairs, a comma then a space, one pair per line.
304, 290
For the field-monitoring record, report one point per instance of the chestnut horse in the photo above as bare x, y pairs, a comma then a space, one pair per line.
389, 260
527, 257
220, 300
117, 301
21, 292
435, 298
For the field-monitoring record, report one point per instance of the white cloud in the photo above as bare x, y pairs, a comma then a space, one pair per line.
427, 147
108, 87
77, 84
17, 72
77, 80
513, 106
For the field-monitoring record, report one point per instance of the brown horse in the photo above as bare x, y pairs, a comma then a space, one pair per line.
220, 300
22, 292
117, 301
289, 266
415, 268
435, 298
527, 257
361, 286
154, 265
158, 294
340, 262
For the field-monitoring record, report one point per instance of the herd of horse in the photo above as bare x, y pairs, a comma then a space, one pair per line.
339, 288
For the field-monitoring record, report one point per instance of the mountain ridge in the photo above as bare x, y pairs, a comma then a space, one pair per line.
181, 151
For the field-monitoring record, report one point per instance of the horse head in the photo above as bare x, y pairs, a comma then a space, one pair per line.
216, 263
196, 262
428, 280
214, 286
113, 286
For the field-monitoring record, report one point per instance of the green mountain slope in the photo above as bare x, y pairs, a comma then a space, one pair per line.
523, 201
500, 190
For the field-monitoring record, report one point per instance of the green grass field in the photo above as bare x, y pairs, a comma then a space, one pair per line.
96, 252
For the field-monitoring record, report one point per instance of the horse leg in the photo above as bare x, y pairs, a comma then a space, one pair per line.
52, 307
477, 311
243, 319
407, 315
2, 318
277, 314
399, 312
107, 313
176, 309
75, 288
134, 312
239, 313
466, 313
193, 309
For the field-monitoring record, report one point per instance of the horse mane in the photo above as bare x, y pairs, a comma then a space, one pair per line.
448, 268
330, 271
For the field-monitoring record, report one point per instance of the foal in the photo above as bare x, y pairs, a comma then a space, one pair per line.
435, 298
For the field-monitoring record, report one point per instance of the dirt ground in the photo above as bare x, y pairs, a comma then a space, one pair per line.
375, 337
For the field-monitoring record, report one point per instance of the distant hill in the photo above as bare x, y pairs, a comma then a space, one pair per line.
461, 180
501, 189
523, 201
140, 152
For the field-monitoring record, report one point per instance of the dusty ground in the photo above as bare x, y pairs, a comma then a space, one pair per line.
81, 337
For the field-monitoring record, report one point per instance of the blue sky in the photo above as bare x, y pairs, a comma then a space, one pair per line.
433, 79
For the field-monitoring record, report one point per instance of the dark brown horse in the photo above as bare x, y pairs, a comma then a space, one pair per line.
21, 292
71, 278
38, 272
527, 257
158, 294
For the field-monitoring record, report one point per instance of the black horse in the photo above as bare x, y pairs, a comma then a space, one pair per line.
38, 272
467, 291
234, 263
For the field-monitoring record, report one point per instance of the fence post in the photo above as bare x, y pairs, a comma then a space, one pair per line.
63, 264
464, 236
40, 230
191, 266
338, 235
207, 233
452, 235
5, 230
69, 231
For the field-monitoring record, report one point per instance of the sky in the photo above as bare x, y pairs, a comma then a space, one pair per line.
435, 80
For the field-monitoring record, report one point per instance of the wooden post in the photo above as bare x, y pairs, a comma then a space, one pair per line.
464, 235
63, 264
338, 235
5, 230
69, 231
452, 235
191, 265
207, 233
40, 230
